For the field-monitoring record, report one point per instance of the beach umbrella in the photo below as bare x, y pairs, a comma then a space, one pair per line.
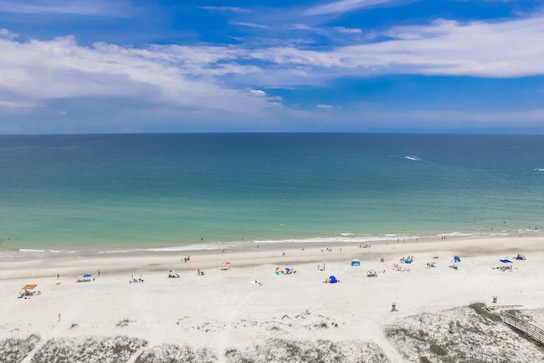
506, 261
88, 275
173, 271
226, 263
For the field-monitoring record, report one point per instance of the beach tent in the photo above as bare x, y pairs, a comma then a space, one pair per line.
506, 261
27, 293
355, 263
456, 259
333, 280
520, 257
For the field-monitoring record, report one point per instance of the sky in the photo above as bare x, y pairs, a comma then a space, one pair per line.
123, 66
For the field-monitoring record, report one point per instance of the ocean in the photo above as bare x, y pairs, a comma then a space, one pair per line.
65, 194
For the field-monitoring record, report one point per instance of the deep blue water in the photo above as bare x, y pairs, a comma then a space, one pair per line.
155, 190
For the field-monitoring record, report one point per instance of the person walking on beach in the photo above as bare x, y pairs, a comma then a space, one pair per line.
98, 272
58, 276
198, 271
59, 317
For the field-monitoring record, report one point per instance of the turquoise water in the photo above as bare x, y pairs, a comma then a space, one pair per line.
124, 192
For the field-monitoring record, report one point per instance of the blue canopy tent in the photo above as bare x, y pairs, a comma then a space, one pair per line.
456, 259
333, 280
520, 257
355, 263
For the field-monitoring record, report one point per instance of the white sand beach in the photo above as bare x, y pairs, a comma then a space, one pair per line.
226, 310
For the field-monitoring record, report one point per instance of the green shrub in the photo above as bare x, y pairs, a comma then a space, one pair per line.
437, 349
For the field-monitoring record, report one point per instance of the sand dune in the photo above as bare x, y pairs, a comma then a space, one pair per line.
225, 316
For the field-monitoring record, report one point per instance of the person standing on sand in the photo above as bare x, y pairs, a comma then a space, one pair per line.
98, 272
59, 317
198, 271
58, 276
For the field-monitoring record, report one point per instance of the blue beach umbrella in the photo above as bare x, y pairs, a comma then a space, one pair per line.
87, 275
506, 261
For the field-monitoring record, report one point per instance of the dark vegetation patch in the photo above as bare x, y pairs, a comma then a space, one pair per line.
169, 353
321, 351
479, 308
15, 350
88, 350
461, 335
438, 349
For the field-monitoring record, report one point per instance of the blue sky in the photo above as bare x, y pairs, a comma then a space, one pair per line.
83, 66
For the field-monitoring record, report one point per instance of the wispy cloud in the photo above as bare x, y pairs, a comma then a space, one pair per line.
251, 25
342, 29
342, 6
212, 82
72, 7
181, 76
505, 49
224, 9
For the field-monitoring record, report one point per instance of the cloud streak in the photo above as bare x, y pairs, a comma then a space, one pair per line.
342, 6
251, 25
36, 71
74, 7
233, 81
507, 49
224, 9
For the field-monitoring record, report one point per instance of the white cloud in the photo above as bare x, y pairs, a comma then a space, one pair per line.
258, 92
58, 69
342, 29
222, 9
342, 6
505, 49
6, 34
251, 25
323, 106
213, 82
16, 104
71, 7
